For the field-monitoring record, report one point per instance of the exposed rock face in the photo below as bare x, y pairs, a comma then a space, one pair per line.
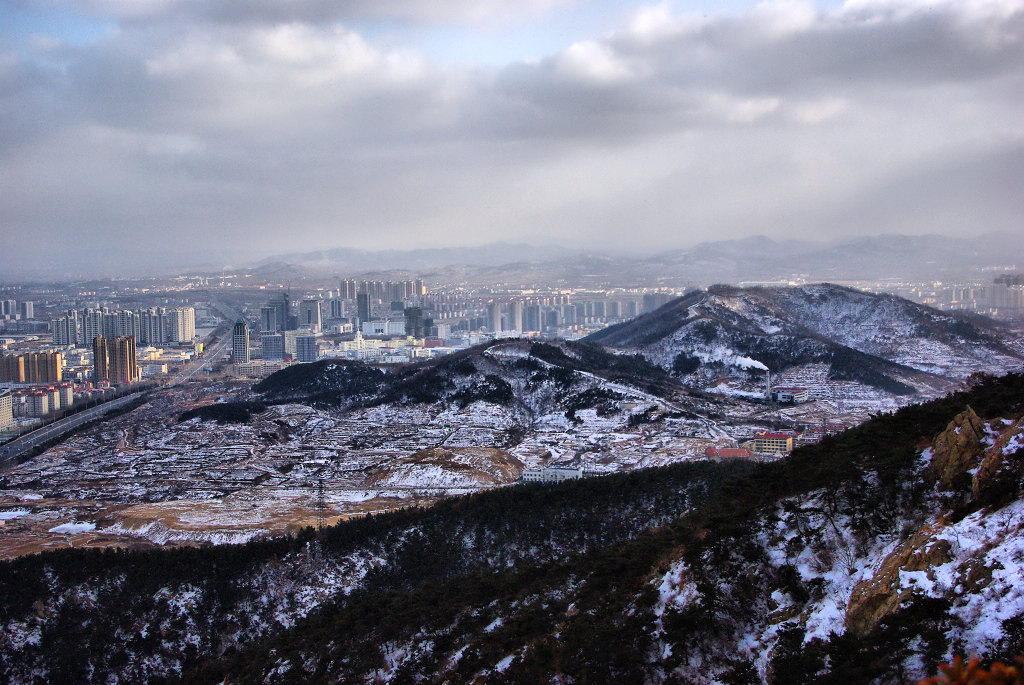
874, 599
999, 475
958, 447
449, 467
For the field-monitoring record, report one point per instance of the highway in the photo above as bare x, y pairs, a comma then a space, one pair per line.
10, 452
216, 352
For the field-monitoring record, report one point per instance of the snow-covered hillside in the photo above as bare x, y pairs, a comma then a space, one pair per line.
880, 340
870, 557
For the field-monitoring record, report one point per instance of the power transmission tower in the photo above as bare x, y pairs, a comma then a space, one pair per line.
321, 505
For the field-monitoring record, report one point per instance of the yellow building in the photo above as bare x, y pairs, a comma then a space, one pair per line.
114, 359
773, 442
34, 367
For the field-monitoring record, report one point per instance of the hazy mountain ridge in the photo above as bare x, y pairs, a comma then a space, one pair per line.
757, 258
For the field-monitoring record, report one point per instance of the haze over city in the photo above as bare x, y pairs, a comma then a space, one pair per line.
168, 134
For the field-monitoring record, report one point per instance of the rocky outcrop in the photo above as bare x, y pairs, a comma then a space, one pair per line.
958, 448
998, 478
874, 599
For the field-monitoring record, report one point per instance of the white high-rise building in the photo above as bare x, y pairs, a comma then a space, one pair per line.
494, 316
65, 330
6, 410
128, 323
516, 316
92, 325
182, 324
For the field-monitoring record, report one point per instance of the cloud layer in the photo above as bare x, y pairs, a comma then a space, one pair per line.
198, 129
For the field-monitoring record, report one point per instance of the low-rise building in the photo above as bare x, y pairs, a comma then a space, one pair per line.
791, 395
551, 474
720, 453
773, 443
38, 404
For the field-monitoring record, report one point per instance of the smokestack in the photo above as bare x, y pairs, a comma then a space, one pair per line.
768, 384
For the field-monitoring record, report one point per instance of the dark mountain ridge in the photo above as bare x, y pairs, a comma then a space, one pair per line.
693, 573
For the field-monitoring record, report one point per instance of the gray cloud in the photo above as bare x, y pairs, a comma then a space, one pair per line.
888, 115
318, 11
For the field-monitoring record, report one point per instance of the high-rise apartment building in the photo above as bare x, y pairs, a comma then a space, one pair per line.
6, 410
12, 368
92, 325
532, 318
33, 367
182, 324
269, 320
44, 367
516, 316
348, 289
240, 342
309, 316
363, 306
272, 345
114, 359
414, 322
155, 326
494, 317
338, 309
27, 310
306, 348
65, 329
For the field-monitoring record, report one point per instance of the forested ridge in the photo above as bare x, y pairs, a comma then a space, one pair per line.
526, 584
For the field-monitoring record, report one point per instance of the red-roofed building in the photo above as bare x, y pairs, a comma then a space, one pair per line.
718, 453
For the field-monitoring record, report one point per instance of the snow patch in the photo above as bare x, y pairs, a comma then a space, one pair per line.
73, 528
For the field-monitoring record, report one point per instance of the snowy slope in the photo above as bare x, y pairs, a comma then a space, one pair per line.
875, 336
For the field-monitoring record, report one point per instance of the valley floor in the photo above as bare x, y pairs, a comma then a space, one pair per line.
145, 479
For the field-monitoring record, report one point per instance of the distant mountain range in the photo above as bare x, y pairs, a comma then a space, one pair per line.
930, 257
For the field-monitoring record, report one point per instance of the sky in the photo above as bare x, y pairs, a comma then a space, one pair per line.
147, 134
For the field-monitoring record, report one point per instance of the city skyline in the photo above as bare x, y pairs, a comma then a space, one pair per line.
197, 134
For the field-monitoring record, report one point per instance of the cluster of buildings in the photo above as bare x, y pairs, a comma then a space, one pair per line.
32, 367
19, 317
554, 474
114, 359
775, 442
12, 310
38, 401
1004, 297
153, 326
400, 321
33, 385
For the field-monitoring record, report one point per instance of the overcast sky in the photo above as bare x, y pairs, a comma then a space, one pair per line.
141, 132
